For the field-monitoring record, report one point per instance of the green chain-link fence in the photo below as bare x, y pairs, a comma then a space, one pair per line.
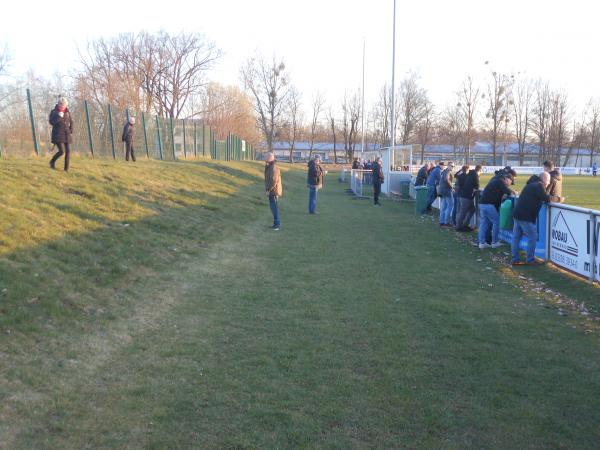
97, 129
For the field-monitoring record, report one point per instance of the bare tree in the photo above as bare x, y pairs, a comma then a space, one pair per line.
521, 107
4, 60
381, 116
468, 98
331, 120
317, 106
351, 117
293, 123
540, 120
269, 87
592, 125
498, 103
412, 101
559, 111
452, 127
425, 126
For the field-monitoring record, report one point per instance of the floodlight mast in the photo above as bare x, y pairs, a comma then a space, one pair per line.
393, 105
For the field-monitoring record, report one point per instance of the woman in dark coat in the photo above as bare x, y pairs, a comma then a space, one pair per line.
62, 129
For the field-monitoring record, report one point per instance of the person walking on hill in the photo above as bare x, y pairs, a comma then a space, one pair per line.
525, 213
466, 200
378, 179
446, 192
128, 137
314, 182
62, 129
273, 188
489, 207
433, 180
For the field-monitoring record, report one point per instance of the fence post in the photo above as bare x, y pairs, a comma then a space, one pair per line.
89, 126
203, 140
172, 140
548, 226
195, 139
33, 129
184, 140
145, 135
159, 138
112, 131
594, 248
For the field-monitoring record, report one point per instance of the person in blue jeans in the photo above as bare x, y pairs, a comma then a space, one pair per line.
446, 195
489, 207
273, 188
433, 180
314, 182
525, 215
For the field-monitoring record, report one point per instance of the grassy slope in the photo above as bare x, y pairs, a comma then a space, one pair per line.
344, 330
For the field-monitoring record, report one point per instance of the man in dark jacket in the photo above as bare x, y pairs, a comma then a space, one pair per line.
525, 215
489, 209
273, 188
378, 179
422, 174
314, 182
446, 195
62, 129
466, 200
128, 137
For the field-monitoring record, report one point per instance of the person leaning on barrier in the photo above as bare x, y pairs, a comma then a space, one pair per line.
433, 179
378, 179
62, 130
525, 214
466, 200
446, 192
314, 182
128, 137
273, 188
489, 209
459, 180
422, 174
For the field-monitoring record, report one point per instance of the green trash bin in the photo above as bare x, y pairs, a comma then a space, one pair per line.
506, 214
405, 189
422, 195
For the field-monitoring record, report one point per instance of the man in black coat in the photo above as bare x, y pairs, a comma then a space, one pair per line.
422, 174
466, 200
525, 213
62, 129
489, 209
128, 137
314, 181
378, 179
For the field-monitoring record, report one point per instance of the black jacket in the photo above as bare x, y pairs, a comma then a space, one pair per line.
128, 133
421, 176
315, 174
527, 206
62, 127
470, 185
494, 191
377, 174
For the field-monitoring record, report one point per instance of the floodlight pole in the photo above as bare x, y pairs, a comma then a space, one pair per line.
362, 147
393, 104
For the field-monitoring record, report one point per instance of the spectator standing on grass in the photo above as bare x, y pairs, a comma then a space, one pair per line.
446, 192
273, 188
466, 200
489, 209
594, 169
378, 179
314, 182
62, 130
548, 166
422, 174
432, 181
525, 213
459, 181
128, 137
356, 163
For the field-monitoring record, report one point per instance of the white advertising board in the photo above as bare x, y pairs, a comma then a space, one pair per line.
571, 239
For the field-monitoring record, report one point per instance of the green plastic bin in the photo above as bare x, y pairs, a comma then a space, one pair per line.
422, 195
506, 214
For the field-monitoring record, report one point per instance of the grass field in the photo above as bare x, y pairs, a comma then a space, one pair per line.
581, 191
148, 306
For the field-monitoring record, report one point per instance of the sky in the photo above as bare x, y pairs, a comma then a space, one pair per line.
321, 41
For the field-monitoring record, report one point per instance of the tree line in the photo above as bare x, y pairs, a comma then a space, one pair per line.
168, 75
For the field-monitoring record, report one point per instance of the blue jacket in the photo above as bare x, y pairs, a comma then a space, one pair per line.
434, 177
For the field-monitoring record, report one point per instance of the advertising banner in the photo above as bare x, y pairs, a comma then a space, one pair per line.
571, 239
